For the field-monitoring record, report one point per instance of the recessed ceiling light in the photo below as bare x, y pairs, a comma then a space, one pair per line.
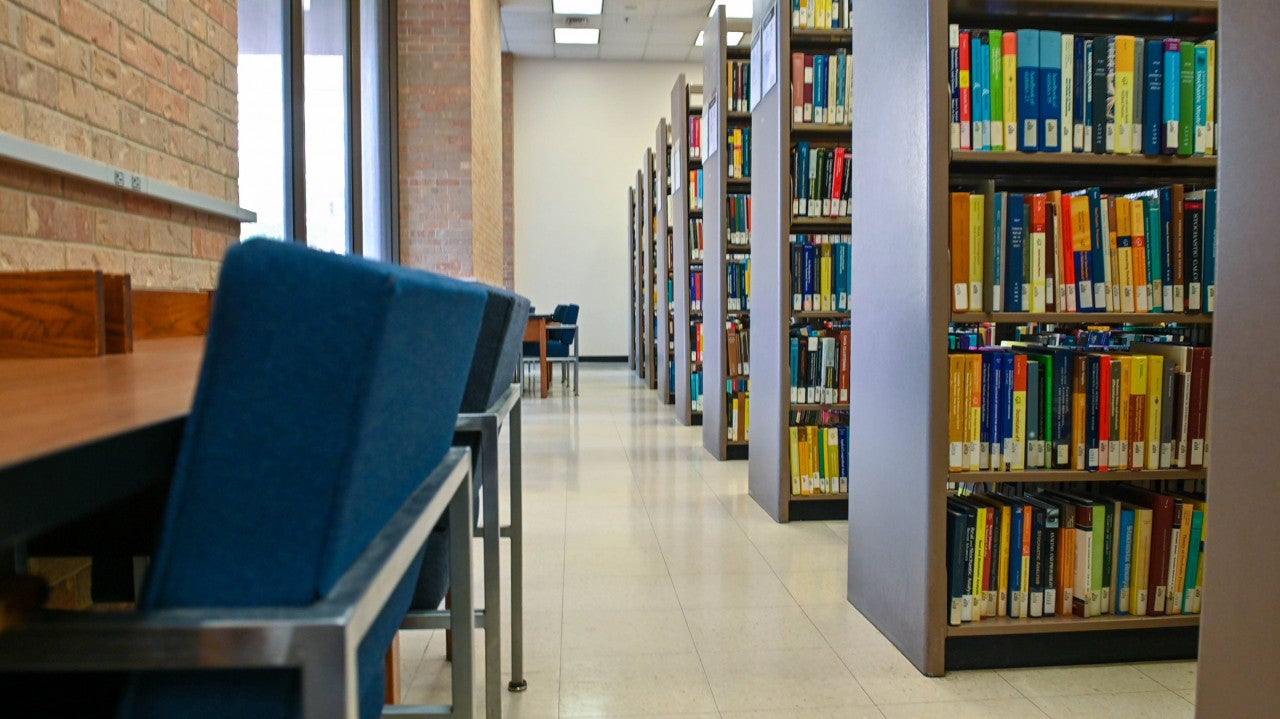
577, 36
702, 34
733, 37
576, 7
732, 8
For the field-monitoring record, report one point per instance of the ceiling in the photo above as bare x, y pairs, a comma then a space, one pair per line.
654, 30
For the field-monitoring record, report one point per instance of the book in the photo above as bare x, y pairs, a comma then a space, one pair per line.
1050, 64
1029, 93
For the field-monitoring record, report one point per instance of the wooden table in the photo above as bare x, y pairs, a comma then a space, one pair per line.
81, 433
536, 331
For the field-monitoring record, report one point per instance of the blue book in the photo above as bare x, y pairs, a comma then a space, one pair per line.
1006, 407
843, 438
1166, 243
1194, 550
1016, 601
1088, 97
1080, 112
1051, 90
984, 51
1029, 90
1015, 299
1155, 254
820, 88
1202, 99
976, 82
954, 56
795, 366
1210, 248
984, 424
1124, 574
997, 409
1097, 257
842, 83
1153, 98
1172, 105
809, 287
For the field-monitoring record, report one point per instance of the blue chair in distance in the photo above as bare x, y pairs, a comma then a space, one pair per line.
309, 475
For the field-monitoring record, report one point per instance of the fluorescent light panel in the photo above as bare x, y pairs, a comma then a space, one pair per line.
577, 36
576, 7
732, 8
732, 37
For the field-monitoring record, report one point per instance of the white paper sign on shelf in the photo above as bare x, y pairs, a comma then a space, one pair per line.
769, 52
754, 96
712, 137
675, 165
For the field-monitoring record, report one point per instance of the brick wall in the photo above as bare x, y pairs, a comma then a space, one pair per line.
450, 137
508, 175
146, 86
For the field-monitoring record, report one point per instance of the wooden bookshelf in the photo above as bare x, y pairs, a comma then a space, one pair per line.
652, 271
686, 261
662, 237
901, 310
774, 134
719, 121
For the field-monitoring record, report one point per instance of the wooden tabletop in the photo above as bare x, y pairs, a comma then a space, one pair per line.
48, 406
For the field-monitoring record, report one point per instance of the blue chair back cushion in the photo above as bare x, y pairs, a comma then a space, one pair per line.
498, 349
564, 337
329, 390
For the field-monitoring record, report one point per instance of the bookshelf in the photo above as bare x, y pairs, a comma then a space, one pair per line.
687, 256
901, 300
720, 121
639, 265
652, 272
662, 233
775, 134
632, 276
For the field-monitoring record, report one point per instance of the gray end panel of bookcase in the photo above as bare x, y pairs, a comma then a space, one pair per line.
770, 209
631, 274
660, 160
1239, 634
714, 169
650, 266
680, 243
899, 297
638, 229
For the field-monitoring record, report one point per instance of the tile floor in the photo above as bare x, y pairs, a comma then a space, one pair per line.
656, 587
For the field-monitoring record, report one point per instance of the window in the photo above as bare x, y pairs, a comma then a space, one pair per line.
317, 136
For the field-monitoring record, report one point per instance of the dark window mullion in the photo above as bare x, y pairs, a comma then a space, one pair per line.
355, 138
295, 181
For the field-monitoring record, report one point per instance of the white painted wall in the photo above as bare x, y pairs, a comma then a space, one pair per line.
581, 129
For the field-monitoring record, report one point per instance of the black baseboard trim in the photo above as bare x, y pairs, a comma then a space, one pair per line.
603, 358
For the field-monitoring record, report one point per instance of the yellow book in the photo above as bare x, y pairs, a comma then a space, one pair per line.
1211, 100
806, 480
833, 458
1124, 94
1178, 568
958, 412
1141, 561
979, 558
1137, 412
1009, 68
793, 440
1081, 241
1124, 253
824, 276
977, 208
1120, 461
1155, 398
1002, 580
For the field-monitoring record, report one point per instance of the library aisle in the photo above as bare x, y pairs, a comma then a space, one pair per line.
656, 587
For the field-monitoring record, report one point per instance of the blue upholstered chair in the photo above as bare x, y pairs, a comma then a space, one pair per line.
328, 393
562, 344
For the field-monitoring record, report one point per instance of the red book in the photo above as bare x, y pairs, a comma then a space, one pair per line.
837, 182
1197, 448
1104, 412
808, 88
844, 366
966, 93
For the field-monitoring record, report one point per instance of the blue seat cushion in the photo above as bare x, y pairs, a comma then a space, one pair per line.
557, 349
329, 390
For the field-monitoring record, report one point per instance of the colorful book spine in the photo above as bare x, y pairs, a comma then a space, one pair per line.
1029, 135
1050, 64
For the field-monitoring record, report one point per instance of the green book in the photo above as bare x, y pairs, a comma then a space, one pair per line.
997, 91
1187, 101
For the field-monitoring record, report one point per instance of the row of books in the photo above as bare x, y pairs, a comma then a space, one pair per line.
738, 219
820, 14
821, 266
695, 342
821, 88
821, 180
1048, 91
819, 459
1031, 406
738, 83
696, 242
738, 283
696, 125
820, 364
737, 344
695, 190
738, 147
1084, 251
1042, 552
695, 290
738, 404
695, 390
